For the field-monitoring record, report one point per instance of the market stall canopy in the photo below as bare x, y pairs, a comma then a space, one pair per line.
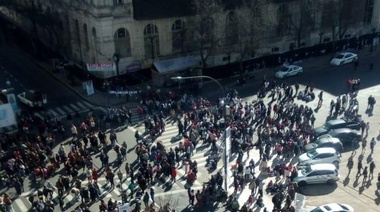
176, 64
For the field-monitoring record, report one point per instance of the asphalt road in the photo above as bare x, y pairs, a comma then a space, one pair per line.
329, 79
24, 74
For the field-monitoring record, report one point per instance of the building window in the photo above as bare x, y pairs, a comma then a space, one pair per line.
117, 2
86, 43
232, 29
77, 33
178, 35
122, 42
151, 41
283, 20
369, 5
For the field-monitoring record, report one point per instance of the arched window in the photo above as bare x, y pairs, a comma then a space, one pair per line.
178, 35
123, 42
77, 33
151, 41
85, 32
94, 43
283, 20
68, 36
232, 29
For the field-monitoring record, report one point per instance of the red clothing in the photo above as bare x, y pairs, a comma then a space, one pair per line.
173, 172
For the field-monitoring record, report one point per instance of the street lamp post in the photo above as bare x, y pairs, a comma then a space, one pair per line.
225, 142
116, 59
200, 77
373, 38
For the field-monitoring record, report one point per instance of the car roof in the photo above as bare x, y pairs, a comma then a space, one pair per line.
344, 53
334, 207
291, 66
336, 121
344, 130
325, 150
328, 140
323, 166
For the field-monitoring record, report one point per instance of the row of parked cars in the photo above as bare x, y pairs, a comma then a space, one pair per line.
320, 162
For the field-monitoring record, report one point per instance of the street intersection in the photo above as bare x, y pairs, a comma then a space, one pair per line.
329, 79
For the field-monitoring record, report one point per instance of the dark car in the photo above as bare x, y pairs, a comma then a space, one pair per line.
336, 124
325, 142
346, 136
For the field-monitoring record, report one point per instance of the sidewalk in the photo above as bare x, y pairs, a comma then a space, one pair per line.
209, 89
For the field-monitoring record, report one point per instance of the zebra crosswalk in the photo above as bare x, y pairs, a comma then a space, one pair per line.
170, 140
105, 191
61, 112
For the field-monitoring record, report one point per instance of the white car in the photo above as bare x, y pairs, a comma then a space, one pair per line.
317, 174
289, 70
343, 58
333, 207
318, 156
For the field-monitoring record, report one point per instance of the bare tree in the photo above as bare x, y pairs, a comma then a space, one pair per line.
205, 30
246, 30
340, 15
302, 19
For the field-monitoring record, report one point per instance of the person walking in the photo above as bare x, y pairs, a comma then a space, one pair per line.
152, 194
364, 145
320, 97
146, 199
366, 129
365, 175
192, 197
372, 144
372, 167
360, 167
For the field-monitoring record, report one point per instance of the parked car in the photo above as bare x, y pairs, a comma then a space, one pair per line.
343, 58
325, 142
319, 155
317, 174
336, 124
333, 207
346, 136
289, 70
32, 98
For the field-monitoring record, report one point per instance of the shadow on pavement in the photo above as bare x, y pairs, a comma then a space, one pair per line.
318, 190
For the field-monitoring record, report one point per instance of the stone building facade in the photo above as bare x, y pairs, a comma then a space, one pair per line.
138, 33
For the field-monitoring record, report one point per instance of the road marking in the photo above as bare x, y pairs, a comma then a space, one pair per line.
20, 204
81, 105
88, 105
68, 108
53, 112
62, 112
76, 108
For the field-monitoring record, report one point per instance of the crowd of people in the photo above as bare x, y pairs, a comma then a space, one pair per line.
278, 129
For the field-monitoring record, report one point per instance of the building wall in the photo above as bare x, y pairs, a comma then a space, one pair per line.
103, 19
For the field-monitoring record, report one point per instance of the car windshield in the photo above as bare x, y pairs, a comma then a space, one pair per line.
312, 153
327, 126
317, 210
306, 170
340, 56
284, 69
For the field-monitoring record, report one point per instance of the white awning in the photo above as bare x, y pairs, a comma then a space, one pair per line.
176, 64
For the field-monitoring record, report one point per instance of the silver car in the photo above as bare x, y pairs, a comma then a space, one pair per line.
317, 174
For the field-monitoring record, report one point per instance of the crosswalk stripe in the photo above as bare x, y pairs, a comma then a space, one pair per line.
62, 112
53, 112
88, 105
20, 205
67, 108
81, 105
104, 110
76, 108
